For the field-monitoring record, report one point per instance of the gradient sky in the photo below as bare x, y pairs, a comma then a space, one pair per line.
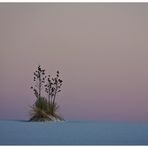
101, 51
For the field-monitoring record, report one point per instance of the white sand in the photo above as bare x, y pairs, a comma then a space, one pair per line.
72, 133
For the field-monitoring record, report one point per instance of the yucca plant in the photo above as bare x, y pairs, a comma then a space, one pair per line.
44, 109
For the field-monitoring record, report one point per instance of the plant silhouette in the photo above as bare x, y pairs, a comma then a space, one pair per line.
45, 109
39, 79
53, 87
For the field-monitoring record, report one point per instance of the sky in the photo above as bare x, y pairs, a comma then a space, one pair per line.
101, 51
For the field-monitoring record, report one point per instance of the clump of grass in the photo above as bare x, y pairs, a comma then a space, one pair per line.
42, 110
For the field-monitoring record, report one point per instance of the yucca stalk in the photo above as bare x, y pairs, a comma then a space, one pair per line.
39, 79
53, 87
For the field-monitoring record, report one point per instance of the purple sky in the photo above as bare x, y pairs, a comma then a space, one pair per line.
101, 51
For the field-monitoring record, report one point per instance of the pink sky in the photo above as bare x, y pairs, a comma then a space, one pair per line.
101, 51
